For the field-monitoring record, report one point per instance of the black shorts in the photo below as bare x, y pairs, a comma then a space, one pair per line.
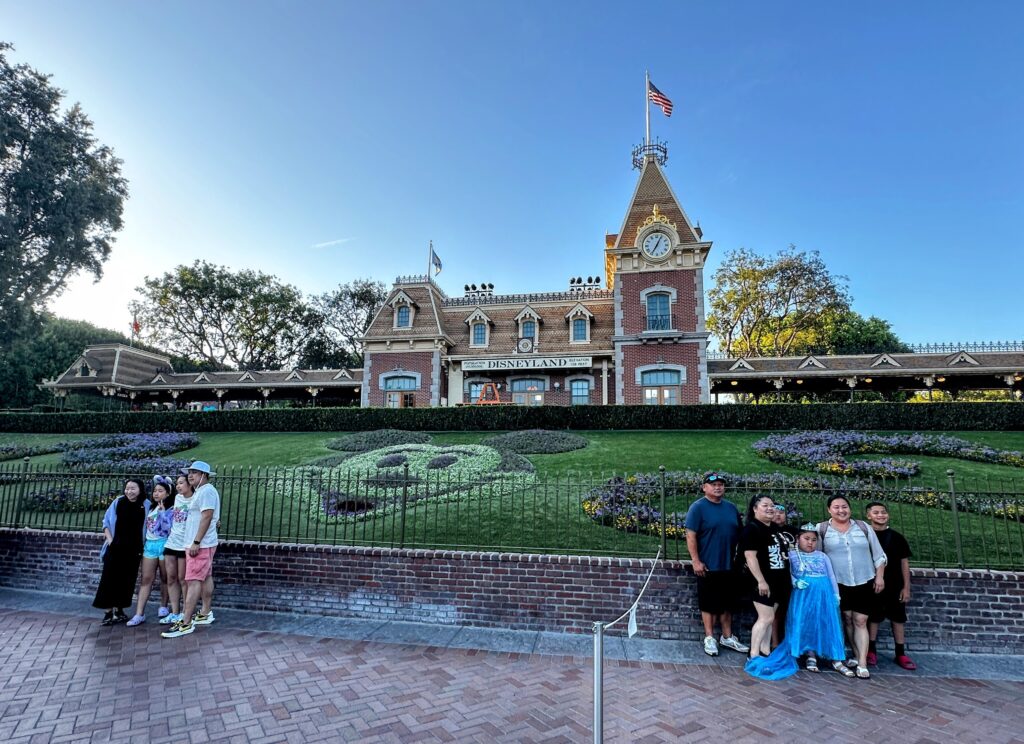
860, 598
716, 592
175, 553
778, 589
888, 607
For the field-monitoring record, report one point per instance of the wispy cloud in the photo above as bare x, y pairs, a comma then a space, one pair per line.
329, 243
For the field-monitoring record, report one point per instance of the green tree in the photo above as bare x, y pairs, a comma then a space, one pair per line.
770, 306
61, 196
849, 332
242, 319
344, 313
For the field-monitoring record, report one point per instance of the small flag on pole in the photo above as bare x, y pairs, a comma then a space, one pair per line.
435, 261
656, 96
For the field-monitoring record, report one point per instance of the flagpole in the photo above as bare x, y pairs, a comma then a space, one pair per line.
430, 259
647, 106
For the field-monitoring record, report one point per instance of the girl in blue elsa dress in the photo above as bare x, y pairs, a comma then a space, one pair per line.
813, 625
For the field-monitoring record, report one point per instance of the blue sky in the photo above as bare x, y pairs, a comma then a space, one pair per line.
256, 134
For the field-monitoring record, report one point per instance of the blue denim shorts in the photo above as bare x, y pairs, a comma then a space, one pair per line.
154, 548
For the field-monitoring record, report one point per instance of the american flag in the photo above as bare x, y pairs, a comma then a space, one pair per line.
659, 98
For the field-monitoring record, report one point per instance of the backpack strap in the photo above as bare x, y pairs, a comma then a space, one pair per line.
863, 528
822, 529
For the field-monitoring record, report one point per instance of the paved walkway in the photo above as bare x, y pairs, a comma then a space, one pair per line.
247, 678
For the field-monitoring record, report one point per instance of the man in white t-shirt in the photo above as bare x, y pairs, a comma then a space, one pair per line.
201, 541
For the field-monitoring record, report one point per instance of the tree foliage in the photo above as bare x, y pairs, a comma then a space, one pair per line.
242, 319
770, 306
345, 313
849, 332
61, 196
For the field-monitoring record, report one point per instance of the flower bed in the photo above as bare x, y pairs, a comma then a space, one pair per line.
365, 441
536, 442
826, 451
631, 503
135, 453
375, 483
68, 498
17, 451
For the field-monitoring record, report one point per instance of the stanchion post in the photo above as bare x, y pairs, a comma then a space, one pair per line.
598, 683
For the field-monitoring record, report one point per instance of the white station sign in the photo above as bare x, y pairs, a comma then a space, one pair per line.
488, 365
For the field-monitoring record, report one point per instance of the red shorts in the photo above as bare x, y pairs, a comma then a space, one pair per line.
199, 566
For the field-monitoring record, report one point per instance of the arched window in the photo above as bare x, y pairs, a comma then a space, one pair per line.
530, 329
402, 317
661, 387
658, 316
479, 334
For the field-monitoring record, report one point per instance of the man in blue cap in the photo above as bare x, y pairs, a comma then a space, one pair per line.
201, 537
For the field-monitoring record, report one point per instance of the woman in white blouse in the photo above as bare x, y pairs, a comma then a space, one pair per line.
859, 562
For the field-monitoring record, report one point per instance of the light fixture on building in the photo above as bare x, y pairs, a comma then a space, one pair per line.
799, 382
940, 379
734, 382
558, 385
867, 379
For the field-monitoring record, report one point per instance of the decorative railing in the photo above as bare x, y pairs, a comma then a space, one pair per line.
521, 299
971, 347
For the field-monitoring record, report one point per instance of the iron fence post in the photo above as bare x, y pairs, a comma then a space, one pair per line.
20, 503
405, 500
664, 518
598, 683
957, 541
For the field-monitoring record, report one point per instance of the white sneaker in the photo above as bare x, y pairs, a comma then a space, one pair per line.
170, 619
710, 646
734, 643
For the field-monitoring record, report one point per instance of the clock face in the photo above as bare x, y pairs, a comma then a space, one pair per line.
656, 244
525, 345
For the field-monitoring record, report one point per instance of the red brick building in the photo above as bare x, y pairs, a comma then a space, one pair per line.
640, 339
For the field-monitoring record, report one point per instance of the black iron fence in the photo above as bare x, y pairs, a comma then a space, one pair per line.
951, 522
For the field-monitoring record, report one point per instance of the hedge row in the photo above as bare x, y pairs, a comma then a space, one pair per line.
776, 417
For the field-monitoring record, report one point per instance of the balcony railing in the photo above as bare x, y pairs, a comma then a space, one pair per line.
660, 322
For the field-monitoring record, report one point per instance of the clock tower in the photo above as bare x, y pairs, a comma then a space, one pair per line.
655, 264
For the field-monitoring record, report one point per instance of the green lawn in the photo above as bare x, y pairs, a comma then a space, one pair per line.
548, 516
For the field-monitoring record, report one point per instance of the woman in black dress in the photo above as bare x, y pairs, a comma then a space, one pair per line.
123, 526
765, 552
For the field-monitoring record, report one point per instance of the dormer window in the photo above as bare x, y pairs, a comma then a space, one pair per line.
529, 329
579, 320
479, 329
479, 334
528, 321
404, 310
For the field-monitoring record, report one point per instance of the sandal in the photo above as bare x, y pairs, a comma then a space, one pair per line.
811, 665
863, 673
842, 669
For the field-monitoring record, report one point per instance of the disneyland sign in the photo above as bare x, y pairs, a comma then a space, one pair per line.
489, 365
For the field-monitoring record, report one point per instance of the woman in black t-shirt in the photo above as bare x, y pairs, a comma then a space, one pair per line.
766, 554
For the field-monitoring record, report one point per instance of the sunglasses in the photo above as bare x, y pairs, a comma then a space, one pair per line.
780, 507
712, 478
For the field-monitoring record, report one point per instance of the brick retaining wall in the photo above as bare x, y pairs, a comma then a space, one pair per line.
964, 610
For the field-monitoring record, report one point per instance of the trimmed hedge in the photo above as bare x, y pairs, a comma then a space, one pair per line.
772, 417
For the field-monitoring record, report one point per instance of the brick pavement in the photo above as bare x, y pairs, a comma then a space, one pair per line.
66, 679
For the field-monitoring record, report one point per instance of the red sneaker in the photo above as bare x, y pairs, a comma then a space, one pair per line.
872, 658
906, 662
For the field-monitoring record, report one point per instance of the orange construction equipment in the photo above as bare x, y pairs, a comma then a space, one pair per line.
488, 395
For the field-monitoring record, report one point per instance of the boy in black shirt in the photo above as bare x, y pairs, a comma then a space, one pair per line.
892, 602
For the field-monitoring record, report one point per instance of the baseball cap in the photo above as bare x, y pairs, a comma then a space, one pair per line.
199, 465
713, 477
